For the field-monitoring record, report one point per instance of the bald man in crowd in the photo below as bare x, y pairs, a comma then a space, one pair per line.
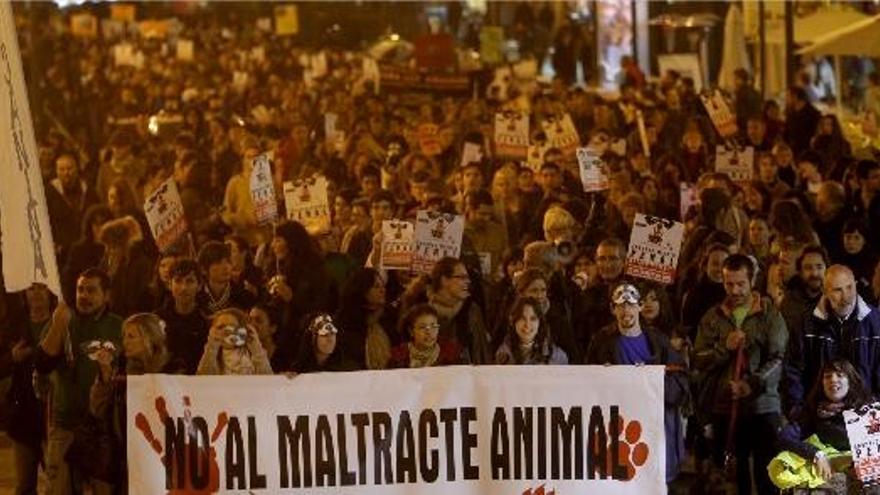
842, 325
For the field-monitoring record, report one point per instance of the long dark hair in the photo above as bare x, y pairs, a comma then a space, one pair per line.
352, 314
858, 395
303, 254
541, 347
306, 362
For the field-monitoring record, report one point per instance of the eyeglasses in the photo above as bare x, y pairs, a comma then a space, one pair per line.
428, 327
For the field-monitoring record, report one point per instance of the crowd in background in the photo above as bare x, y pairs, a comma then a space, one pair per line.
772, 308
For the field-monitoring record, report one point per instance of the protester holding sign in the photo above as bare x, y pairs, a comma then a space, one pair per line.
819, 435
626, 342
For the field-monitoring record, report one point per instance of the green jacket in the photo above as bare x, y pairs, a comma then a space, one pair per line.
766, 339
72, 374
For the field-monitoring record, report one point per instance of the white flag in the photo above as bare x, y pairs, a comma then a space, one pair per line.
25, 233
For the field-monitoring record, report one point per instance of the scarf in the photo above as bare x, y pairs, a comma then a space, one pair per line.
422, 358
237, 361
828, 409
445, 306
216, 304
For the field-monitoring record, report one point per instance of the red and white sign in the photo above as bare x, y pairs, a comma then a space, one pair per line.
398, 243
307, 202
164, 212
437, 235
654, 247
511, 134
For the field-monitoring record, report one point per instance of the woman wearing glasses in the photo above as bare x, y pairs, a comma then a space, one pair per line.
424, 349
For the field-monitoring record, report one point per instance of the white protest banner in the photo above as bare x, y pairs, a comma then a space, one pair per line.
592, 168
429, 139
738, 164
185, 50
470, 153
398, 242
437, 235
164, 212
863, 431
722, 118
511, 134
263, 191
307, 202
25, 231
654, 247
688, 197
561, 133
463, 430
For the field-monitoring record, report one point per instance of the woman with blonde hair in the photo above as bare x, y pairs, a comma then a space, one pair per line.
144, 351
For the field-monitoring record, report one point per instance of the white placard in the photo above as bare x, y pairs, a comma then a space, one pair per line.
511, 134
263, 191
863, 431
561, 133
738, 164
165, 215
398, 244
654, 247
28, 249
470, 153
307, 202
688, 198
430, 431
437, 235
722, 118
592, 168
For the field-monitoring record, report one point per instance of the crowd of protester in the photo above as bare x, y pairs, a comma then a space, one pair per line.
772, 311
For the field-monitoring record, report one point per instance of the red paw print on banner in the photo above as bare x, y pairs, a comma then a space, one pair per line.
201, 452
632, 452
539, 491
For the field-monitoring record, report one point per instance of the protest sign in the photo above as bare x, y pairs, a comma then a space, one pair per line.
863, 431
470, 153
154, 28
286, 20
643, 133
437, 235
164, 212
593, 175
492, 45
494, 430
562, 134
511, 134
263, 191
535, 157
722, 118
185, 50
123, 12
28, 252
307, 202
654, 247
738, 164
688, 198
84, 25
398, 242
410, 79
429, 139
